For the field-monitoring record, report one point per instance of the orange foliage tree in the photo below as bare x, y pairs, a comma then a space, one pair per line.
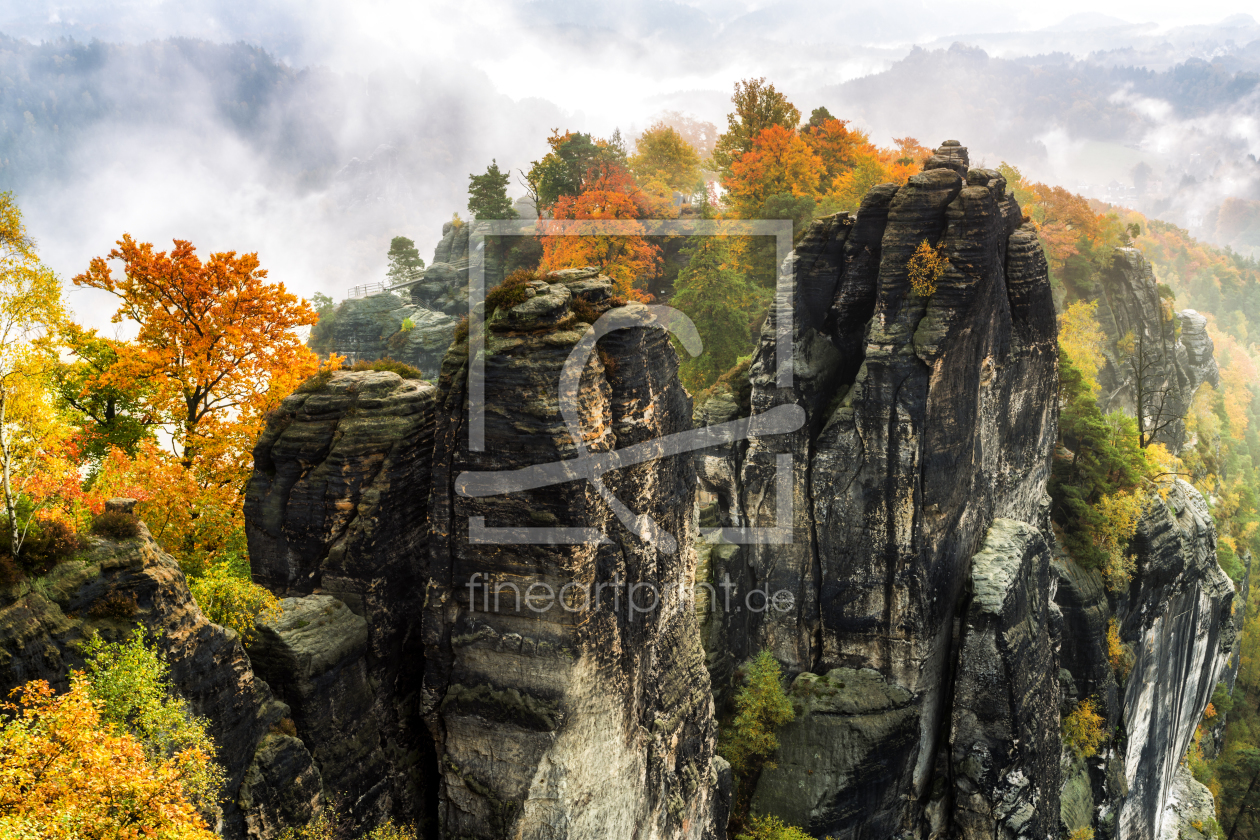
837, 146
610, 195
218, 345
779, 162
217, 335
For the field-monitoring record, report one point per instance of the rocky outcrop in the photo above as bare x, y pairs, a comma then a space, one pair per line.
384, 325
1177, 617
929, 418
929, 628
337, 512
107, 589
1004, 744
1155, 355
560, 711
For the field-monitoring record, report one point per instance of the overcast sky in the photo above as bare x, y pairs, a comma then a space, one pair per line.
602, 65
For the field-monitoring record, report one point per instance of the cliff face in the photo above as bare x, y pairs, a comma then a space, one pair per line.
929, 418
572, 716
337, 520
271, 780
1178, 618
1156, 356
370, 328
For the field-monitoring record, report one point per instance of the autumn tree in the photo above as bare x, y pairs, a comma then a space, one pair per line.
626, 258
836, 145
758, 106
663, 157
405, 262
65, 774
1082, 338
574, 159
851, 186
216, 337
487, 194
30, 307
699, 134
777, 162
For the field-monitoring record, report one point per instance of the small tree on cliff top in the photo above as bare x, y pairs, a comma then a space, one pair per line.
487, 194
405, 262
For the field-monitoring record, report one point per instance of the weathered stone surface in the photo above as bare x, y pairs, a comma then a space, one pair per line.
370, 328
338, 507
1132, 310
553, 723
41, 626
928, 418
1189, 810
1004, 744
314, 655
846, 721
282, 787
1176, 615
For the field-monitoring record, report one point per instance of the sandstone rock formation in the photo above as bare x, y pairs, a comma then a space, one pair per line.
370, 328
1177, 615
1166, 355
446, 663
929, 419
337, 512
576, 716
271, 779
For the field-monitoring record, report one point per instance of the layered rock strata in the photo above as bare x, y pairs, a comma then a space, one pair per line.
1177, 618
930, 416
559, 709
107, 589
336, 517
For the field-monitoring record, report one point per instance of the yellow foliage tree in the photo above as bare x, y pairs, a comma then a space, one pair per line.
852, 185
1083, 729
925, 268
1120, 513
31, 438
232, 600
1082, 337
663, 157
66, 776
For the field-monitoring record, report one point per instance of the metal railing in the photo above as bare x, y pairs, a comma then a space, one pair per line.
366, 290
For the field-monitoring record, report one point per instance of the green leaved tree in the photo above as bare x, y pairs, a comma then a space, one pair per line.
717, 298
405, 263
487, 194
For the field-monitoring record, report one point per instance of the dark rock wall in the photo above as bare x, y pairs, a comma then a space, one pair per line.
338, 506
1177, 615
559, 722
929, 417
